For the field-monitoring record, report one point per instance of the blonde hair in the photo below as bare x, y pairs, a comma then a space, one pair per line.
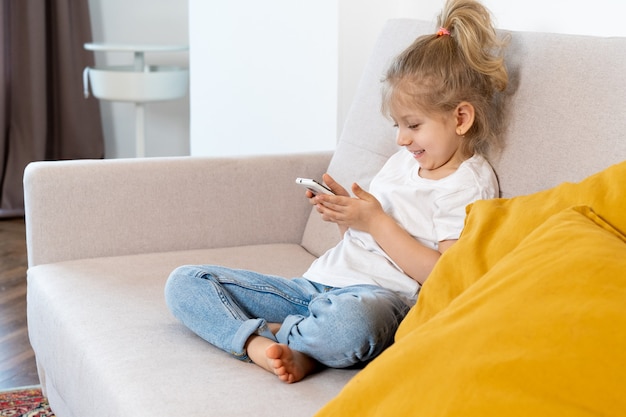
463, 61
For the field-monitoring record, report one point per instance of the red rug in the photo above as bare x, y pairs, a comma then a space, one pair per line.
24, 402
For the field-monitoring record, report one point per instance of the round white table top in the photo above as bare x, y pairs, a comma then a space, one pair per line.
122, 47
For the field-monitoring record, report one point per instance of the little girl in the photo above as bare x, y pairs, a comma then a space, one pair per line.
441, 95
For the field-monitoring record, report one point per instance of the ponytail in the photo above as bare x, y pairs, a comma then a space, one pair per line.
469, 23
462, 61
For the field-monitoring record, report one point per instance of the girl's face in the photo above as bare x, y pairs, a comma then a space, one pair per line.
431, 137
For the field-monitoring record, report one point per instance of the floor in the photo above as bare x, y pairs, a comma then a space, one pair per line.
17, 360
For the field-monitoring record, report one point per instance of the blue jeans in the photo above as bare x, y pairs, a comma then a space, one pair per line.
339, 327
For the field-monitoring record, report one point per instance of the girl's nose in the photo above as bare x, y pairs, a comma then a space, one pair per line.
402, 139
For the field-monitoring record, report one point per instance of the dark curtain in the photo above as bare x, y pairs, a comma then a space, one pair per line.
43, 113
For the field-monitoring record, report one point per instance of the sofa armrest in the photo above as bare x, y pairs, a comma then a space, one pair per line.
96, 208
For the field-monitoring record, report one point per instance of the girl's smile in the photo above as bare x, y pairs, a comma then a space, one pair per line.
417, 154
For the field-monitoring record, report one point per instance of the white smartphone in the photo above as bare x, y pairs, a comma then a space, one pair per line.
314, 186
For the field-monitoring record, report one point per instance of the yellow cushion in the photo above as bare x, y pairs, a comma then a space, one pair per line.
495, 227
542, 333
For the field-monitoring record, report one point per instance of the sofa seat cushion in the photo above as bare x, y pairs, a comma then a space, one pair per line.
540, 333
111, 342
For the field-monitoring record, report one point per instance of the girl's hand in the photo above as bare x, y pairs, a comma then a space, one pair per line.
330, 183
334, 186
360, 212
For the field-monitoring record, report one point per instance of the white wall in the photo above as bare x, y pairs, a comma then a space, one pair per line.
143, 22
599, 17
243, 103
263, 76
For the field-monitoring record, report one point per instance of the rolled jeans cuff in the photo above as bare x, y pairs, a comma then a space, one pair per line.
247, 329
285, 329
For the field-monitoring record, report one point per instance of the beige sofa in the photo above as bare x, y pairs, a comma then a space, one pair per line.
103, 235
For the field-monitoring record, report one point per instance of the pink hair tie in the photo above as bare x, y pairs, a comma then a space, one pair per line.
443, 31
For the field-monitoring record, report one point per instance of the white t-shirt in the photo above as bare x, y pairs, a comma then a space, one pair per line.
430, 210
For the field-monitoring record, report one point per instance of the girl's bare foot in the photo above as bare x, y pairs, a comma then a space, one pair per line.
288, 365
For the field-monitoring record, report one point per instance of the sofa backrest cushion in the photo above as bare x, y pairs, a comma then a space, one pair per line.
564, 115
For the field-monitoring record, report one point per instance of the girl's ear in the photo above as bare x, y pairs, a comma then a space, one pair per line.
464, 114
